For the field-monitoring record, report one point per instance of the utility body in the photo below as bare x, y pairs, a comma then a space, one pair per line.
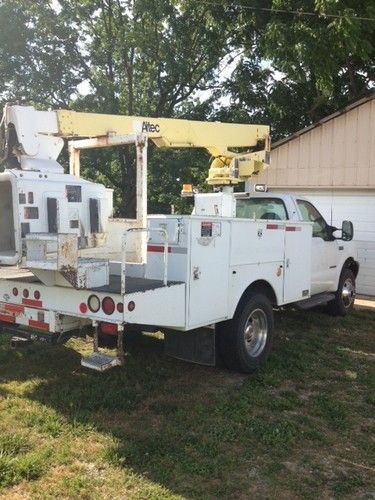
209, 280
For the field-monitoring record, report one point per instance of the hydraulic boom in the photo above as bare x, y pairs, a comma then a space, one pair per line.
239, 151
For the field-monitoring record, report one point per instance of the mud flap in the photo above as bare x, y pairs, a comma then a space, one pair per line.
196, 346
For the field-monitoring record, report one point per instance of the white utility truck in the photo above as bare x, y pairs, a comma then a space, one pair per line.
209, 280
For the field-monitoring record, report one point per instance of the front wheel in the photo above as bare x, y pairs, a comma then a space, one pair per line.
345, 295
245, 341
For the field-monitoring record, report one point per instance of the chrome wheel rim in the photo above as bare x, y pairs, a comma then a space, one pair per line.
348, 293
255, 332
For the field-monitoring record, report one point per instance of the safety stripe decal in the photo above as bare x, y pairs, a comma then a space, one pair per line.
8, 319
160, 249
14, 308
157, 249
293, 228
38, 324
32, 303
274, 226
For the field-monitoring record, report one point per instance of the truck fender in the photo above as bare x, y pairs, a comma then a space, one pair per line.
351, 264
260, 286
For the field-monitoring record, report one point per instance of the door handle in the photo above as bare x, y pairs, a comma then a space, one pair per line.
287, 263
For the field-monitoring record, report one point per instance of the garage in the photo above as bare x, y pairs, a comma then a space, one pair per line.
333, 164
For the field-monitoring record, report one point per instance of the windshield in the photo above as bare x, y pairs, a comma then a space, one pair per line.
261, 208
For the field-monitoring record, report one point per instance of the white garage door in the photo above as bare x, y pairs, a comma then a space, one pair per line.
359, 207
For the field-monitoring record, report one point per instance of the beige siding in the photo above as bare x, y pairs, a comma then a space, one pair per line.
339, 152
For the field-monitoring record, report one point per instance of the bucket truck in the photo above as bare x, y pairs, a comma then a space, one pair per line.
209, 281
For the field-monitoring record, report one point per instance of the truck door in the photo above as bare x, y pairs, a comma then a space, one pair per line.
209, 264
324, 255
297, 262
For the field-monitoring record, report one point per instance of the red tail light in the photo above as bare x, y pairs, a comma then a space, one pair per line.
36, 295
83, 308
120, 307
109, 328
25, 293
15, 291
108, 305
131, 306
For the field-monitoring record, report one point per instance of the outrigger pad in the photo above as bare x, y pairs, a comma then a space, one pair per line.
195, 346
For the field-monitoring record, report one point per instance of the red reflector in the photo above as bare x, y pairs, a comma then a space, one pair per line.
32, 302
36, 295
109, 328
83, 308
120, 307
131, 306
8, 319
15, 291
25, 293
40, 325
158, 248
108, 305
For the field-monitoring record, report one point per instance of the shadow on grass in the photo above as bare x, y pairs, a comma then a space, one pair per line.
203, 431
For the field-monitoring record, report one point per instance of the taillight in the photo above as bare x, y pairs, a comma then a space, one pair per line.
94, 303
83, 308
15, 291
36, 295
108, 305
25, 293
109, 328
131, 306
120, 307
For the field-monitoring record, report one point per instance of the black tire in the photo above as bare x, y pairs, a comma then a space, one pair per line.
345, 295
247, 352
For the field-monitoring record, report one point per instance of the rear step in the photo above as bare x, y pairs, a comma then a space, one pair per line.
17, 341
315, 300
99, 361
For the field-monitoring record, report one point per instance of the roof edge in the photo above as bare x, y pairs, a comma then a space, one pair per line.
341, 111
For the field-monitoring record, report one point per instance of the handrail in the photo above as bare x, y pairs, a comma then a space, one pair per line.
123, 254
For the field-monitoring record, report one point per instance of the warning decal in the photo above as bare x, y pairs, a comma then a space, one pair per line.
210, 229
206, 228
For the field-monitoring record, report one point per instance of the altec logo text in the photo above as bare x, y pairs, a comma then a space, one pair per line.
150, 127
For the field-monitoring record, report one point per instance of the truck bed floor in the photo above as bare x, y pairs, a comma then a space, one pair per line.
114, 286
132, 284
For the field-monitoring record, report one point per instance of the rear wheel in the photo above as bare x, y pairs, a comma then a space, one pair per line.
245, 341
345, 295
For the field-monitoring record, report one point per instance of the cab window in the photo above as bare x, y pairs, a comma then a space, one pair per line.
310, 214
261, 208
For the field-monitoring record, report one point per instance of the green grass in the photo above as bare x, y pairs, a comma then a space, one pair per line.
157, 428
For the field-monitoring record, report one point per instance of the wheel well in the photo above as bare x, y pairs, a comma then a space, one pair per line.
351, 264
259, 286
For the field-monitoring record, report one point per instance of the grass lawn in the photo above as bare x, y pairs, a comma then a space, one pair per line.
158, 428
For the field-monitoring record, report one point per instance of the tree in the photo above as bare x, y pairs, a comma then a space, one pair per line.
146, 57
40, 61
298, 68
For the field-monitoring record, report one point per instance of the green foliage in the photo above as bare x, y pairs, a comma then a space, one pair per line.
180, 58
296, 68
40, 60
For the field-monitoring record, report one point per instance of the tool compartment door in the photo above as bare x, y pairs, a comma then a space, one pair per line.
297, 262
209, 264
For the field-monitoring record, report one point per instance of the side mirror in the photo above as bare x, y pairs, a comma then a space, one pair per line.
347, 230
